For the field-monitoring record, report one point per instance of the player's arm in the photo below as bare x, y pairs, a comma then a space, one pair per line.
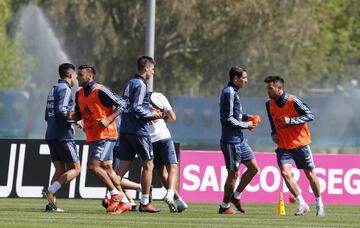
76, 114
304, 111
170, 115
227, 115
137, 104
273, 129
64, 97
108, 98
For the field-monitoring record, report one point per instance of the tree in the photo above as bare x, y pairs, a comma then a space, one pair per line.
13, 62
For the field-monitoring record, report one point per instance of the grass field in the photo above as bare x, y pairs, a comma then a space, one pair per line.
89, 213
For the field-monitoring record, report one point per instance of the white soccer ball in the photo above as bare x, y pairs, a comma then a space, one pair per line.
159, 101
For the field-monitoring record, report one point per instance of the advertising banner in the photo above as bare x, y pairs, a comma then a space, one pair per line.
203, 174
25, 168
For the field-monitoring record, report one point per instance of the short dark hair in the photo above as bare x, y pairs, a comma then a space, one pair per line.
89, 67
144, 61
64, 70
274, 79
236, 71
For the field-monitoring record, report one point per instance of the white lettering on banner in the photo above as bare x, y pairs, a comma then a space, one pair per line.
347, 182
25, 191
191, 177
334, 180
6, 190
209, 180
88, 192
263, 178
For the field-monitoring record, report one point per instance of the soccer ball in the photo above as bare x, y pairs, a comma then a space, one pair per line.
158, 101
292, 199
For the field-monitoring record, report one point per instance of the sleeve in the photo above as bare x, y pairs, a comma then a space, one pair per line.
273, 129
228, 112
64, 97
304, 111
77, 108
137, 102
107, 97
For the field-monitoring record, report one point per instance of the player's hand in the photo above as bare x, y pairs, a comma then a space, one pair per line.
285, 120
104, 122
251, 125
254, 118
158, 114
70, 115
275, 138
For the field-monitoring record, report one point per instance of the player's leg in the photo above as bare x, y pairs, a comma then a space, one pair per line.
304, 160
285, 158
165, 156
72, 161
128, 184
232, 157
252, 168
60, 153
101, 151
145, 151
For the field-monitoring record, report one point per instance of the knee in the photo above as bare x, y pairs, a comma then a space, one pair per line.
148, 166
286, 175
254, 170
232, 177
92, 167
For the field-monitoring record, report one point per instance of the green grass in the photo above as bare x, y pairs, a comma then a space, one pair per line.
89, 213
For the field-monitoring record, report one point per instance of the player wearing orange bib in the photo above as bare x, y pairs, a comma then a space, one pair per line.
98, 106
288, 117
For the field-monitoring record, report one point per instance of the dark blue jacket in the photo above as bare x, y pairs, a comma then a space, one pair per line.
59, 102
231, 116
137, 114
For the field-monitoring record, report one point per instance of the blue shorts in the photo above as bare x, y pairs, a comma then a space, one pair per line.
64, 151
164, 153
301, 155
102, 150
236, 153
130, 145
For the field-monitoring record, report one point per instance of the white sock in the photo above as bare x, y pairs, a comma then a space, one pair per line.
225, 205
300, 200
54, 187
237, 195
144, 199
114, 191
170, 194
319, 202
